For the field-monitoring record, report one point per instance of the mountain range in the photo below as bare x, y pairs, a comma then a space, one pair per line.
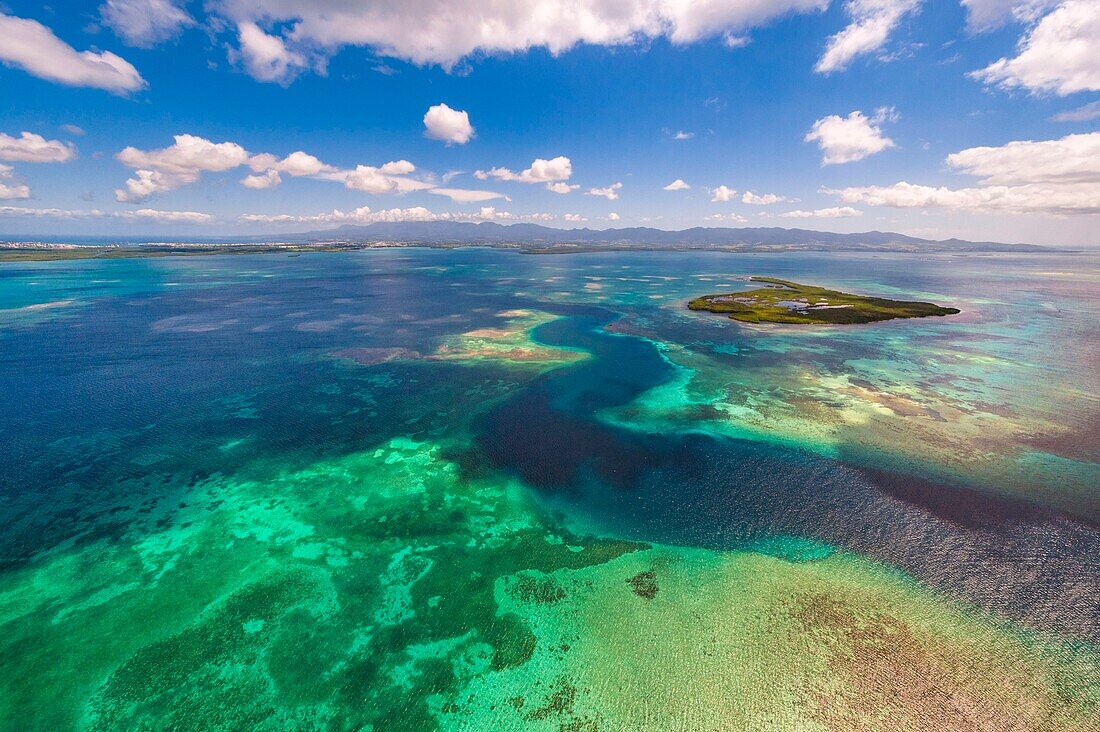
544, 238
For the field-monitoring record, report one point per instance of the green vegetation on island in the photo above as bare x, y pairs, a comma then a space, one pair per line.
782, 301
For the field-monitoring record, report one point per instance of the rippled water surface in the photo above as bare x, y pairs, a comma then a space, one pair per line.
417, 489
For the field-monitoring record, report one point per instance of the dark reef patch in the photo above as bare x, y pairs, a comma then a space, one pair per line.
644, 584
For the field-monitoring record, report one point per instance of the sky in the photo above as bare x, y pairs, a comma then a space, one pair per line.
977, 119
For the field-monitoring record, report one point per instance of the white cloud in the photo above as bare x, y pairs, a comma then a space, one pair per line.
575, 218
1057, 177
1060, 54
489, 213
179, 164
731, 218
765, 200
268, 169
148, 214
390, 178
838, 212
50, 213
462, 195
541, 171
145, 214
872, 23
9, 189
144, 23
1084, 113
299, 163
267, 57
73, 130
1071, 159
731, 40
851, 138
722, 194
147, 183
449, 125
681, 135
611, 192
985, 15
364, 215
613, 216
31, 148
561, 188
446, 31
183, 162
398, 167
31, 46
677, 185
188, 154
261, 181
1080, 198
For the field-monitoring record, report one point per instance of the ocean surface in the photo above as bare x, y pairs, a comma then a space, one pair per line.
405, 489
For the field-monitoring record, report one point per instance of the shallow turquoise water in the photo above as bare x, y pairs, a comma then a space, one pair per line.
410, 488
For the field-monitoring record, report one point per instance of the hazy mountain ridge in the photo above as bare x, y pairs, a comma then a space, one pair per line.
540, 239
526, 235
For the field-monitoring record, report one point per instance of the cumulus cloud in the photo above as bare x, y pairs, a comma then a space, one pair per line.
268, 169
189, 153
31, 148
681, 135
182, 163
31, 46
851, 138
446, 31
28, 148
1058, 177
765, 200
677, 185
9, 188
267, 57
837, 212
611, 192
722, 194
872, 23
1071, 159
489, 213
575, 218
389, 178
299, 163
452, 126
144, 23
1060, 54
613, 216
261, 181
462, 195
541, 171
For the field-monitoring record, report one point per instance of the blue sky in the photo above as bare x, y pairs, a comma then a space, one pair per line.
977, 119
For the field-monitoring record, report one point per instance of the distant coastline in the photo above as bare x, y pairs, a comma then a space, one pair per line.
525, 238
